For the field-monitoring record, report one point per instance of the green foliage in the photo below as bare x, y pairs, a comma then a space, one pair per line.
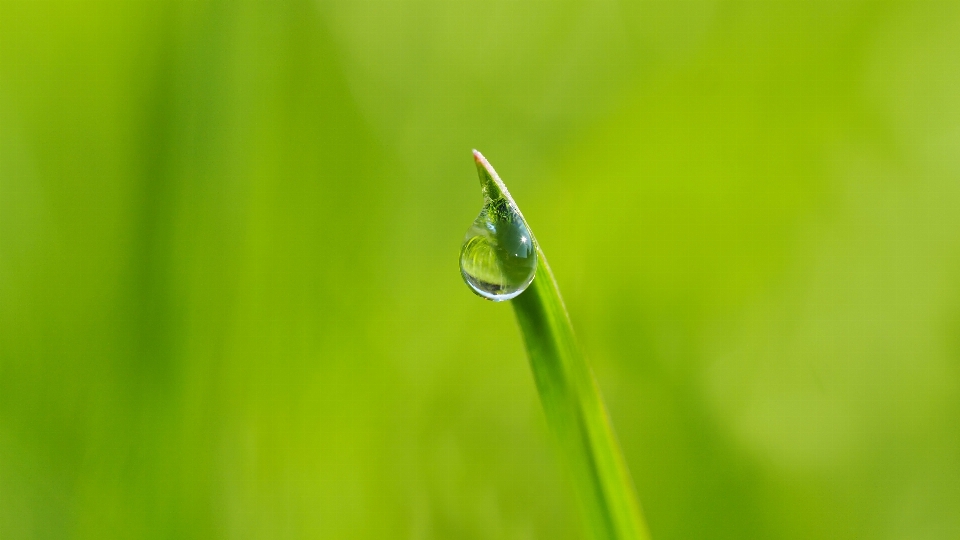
229, 306
569, 394
576, 413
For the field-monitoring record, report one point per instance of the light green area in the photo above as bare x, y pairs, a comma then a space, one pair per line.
229, 298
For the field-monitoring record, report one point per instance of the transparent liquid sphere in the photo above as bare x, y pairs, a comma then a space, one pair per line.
498, 259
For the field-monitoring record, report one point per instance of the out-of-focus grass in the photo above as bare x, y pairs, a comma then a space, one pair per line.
229, 303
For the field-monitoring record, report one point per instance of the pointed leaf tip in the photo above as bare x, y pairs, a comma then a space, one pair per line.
483, 164
486, 174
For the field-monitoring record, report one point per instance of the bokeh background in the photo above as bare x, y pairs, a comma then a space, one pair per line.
229, 298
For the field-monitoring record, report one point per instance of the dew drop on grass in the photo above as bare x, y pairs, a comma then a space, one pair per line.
498, 259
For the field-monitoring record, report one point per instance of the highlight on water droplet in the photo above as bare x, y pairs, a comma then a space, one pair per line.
498, 259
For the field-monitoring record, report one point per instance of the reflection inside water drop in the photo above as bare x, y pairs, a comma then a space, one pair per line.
498, 259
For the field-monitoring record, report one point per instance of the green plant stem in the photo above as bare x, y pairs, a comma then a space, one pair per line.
570, 397
575, 412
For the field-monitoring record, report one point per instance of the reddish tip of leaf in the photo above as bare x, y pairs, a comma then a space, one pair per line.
482, 162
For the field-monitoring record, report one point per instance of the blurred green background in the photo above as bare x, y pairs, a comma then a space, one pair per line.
229, 298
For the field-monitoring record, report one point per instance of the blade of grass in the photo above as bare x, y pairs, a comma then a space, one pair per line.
575, 412
571, 401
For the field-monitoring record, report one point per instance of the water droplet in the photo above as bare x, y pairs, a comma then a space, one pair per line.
498, 259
